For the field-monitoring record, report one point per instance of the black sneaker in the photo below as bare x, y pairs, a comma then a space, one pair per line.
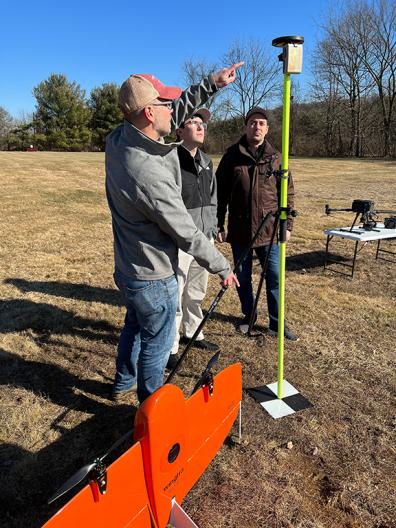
172, 361
291, 336
243, 326
118, 396
206, 345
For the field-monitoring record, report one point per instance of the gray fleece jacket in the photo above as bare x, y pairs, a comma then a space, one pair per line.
143, 187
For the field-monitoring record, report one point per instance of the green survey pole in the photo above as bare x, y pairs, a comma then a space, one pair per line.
292, 63
282, 227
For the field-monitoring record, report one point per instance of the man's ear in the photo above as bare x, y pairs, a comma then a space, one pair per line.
149, 114
179, 133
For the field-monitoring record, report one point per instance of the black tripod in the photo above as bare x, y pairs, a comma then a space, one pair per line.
264, 271
216, 300
262, 277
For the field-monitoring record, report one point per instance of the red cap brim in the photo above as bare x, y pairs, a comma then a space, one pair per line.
170, 92
165, 92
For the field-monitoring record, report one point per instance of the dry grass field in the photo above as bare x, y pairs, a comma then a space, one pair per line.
332, 466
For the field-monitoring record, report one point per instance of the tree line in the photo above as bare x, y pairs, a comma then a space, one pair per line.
64, 119
349, 109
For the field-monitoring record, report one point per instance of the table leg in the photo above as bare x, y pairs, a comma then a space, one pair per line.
378, 247
329, 237
354, 257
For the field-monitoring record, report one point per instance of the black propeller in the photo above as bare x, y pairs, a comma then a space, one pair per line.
73, 481
86, 470
206, 375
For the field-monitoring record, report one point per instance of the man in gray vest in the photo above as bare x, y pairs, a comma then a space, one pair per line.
150, 223
200, 198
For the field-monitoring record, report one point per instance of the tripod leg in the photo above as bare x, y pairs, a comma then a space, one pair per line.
263, 274
216, 300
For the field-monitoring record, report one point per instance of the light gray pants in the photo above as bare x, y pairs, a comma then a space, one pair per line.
192, 282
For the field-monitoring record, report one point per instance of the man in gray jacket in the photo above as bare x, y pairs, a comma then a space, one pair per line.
150, 223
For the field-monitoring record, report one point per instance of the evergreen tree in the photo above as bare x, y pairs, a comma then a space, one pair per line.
105, 113
61, 114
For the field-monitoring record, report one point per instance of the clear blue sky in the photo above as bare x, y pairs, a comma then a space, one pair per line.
96, 42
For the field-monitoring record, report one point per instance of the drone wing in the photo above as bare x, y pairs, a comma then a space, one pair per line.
125, 502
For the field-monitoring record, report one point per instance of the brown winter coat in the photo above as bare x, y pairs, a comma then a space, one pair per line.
247, 186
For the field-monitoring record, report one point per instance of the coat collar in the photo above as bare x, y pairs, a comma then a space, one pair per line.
200, 158
265, 150
134, 137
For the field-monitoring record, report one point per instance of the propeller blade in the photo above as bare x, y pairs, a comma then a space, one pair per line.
83, 472
72, 481
211, 363
116, 444
197, 386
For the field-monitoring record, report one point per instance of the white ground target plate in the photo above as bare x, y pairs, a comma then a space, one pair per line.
291, 402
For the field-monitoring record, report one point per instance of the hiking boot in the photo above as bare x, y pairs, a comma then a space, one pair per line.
119, 395
243, 326
172, 361
291, 336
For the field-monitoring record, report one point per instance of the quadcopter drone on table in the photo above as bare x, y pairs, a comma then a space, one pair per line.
368, 215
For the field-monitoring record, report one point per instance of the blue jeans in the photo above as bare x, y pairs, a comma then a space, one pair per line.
149, 330
244, 274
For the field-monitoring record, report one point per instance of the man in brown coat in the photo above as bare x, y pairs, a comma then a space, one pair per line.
248, 186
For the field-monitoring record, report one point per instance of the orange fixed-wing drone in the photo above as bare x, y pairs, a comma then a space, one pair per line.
175, 440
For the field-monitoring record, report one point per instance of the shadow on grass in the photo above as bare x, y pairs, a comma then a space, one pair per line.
81, 292
310, 260
18, 315
29, 478
52, 382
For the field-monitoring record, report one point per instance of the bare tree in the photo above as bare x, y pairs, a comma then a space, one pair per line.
295, 102
6, 124
357, 60
23, 117
327, 91
374, 24
257, 82
193, 71
339, 57
5, 121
